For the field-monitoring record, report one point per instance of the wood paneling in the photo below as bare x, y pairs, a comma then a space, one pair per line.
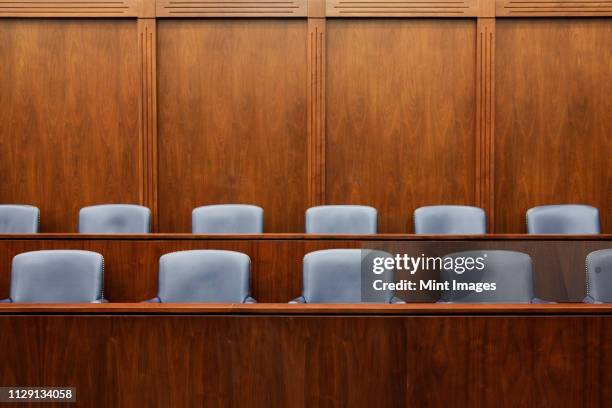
314, 360
68, 115
72, 8
382, 8
485, 116
316, 111
147, 41
232, 108
322, 309
561, 8
231, 8
553, 139
400, 115
131, 263
288, 113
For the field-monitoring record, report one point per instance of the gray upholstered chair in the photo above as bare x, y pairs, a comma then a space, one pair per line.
204, 276
450, 219
599, 277
115, 219
341, 219
563, 219
19, 219
510, 271
57, 276
227, 219
337, 276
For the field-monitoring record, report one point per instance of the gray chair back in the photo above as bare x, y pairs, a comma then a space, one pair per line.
207, 276
19, 219
510, 271
341, 219
450, 219
57, 276
563, 219
227, 219
115, 219
335, 276
599, 276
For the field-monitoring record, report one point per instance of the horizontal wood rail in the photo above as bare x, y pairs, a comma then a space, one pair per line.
309, 309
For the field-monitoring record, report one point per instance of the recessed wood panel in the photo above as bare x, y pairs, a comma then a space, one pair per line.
553, 140
81, 8
69, 115
231, 8
232, 118
382, 8
400, 115
560, 8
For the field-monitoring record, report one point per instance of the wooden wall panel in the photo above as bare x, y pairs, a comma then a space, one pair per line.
400, 115
232, 108
553, 117
272, 361
68, 115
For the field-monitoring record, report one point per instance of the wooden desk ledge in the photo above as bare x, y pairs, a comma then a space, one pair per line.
432, 309
308, 237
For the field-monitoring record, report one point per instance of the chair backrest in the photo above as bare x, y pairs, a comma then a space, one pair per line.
19, 219
563, 219
115, 219
207, 276
227, 219
343, 276
510, 271
599, 275
450, 219
57, 276
341, 219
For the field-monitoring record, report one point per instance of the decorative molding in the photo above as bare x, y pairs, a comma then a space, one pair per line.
562, 8
70, 8
485, 115
232, 8
409, 8
316, 111
148, 114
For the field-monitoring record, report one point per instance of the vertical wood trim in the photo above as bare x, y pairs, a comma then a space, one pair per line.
485, 116
148, 114
316, 111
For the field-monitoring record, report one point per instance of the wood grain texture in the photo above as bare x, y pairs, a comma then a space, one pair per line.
69, 115
284, 309
131, 263
306, 361
316, 111
553, 138
561, 8
400, 115
147, 44
232, 8
421, 8
233, 119
485, 116
72, 8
